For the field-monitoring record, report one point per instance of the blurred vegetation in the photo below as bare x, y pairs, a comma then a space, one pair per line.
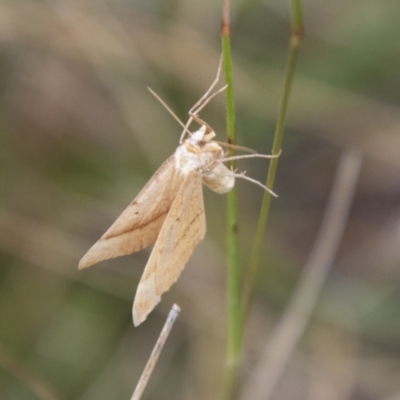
80, 135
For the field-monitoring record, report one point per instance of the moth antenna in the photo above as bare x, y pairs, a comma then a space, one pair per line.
166, 106
250, 156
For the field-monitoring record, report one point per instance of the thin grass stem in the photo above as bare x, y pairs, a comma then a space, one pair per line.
280, 347
296, 35
233, 267
36, 384
148, 370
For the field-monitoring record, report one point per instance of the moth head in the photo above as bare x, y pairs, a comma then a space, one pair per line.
209, 133
209, 136
202, 136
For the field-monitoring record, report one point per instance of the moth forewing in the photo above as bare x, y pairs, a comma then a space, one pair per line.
183, 229
138, 226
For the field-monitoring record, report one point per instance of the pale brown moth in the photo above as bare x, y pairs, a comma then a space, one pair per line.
169, 211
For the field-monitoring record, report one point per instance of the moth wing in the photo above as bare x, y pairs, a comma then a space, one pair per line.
183, 229
138, 226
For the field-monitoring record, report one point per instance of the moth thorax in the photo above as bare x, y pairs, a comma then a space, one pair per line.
219, 179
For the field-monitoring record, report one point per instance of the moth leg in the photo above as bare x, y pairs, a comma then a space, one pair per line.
197, 119
203, 101
203, 98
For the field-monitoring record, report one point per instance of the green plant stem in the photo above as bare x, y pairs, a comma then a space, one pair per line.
233, 267
297, 32
232, 234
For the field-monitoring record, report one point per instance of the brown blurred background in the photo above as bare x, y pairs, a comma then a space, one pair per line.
80, 135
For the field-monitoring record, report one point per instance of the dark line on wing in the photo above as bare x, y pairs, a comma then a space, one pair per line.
164, 166
110, 236
190, 224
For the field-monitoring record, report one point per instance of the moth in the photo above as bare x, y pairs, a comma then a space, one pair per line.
169, 211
